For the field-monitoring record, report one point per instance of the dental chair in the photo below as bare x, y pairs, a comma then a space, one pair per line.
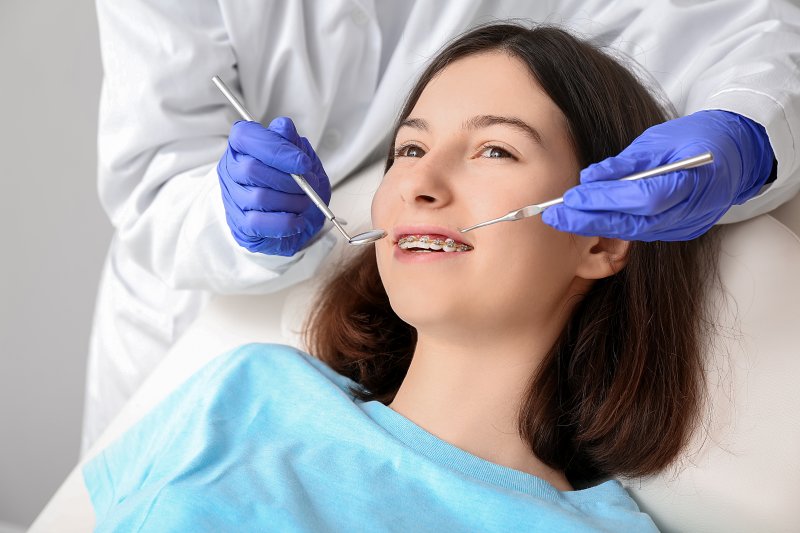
742, 469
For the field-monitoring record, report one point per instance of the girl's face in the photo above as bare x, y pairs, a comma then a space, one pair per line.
483, 139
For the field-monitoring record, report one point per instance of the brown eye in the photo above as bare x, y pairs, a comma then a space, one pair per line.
409, 150
495, 152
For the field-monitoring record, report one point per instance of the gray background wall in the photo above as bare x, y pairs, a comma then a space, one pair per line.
54, 237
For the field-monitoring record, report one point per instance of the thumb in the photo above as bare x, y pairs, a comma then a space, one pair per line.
284, 127
616, 167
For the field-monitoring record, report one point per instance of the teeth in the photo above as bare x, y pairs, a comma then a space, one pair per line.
426, 242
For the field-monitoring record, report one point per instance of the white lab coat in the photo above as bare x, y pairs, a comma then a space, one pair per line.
340, 69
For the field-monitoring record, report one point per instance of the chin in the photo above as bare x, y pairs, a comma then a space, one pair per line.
417, 309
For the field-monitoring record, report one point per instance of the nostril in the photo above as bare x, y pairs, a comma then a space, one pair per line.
426, 198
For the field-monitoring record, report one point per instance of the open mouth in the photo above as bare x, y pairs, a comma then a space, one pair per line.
431, 243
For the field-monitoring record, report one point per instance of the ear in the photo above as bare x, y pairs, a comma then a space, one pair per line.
601, 257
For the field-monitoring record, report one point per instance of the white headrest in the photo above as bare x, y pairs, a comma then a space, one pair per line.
742, 472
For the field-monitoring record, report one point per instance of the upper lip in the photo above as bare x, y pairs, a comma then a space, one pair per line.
427, 229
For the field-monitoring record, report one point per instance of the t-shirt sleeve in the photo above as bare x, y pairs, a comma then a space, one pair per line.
160, 444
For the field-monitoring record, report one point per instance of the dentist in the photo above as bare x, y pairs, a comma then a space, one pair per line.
200, 208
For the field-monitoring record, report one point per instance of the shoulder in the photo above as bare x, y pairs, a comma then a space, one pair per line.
276, 363
611, 501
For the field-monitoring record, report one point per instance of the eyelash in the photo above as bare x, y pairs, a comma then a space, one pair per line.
398, 152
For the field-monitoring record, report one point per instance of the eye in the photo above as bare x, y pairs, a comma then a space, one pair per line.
409, 150
495, 152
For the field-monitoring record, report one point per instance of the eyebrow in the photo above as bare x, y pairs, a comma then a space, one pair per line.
480, 122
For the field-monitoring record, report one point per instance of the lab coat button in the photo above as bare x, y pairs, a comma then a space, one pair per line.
358, 16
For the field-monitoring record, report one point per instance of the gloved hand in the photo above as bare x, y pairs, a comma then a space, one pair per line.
676, 206
266, 210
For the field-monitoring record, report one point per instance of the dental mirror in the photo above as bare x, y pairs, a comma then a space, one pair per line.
366, 237
535, 209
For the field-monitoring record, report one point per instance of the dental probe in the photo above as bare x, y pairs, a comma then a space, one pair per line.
367, 237
535, 209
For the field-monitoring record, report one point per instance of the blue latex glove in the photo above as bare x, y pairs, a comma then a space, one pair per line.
266, 210
676, 206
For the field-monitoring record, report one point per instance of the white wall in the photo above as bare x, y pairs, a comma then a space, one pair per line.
53, 240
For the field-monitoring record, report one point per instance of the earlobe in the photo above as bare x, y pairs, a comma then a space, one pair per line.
603, 257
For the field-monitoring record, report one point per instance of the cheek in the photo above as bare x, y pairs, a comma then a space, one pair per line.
380, 204
550, 252
496, 195
384, 248
535, 273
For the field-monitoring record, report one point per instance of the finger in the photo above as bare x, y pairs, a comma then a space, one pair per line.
697, 227
247, 170
620, 166
314, 219
668, 227
249, 198
269, 147
306, 147
321, 182
283, 246
609, 224
258, 224
284, 127
648, 196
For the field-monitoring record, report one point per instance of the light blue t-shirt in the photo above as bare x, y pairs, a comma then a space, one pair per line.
268, 438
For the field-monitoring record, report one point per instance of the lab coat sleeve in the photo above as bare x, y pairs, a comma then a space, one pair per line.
749, 65
162, 127
738, 55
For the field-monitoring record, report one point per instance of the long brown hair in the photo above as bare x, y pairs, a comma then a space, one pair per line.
621, 389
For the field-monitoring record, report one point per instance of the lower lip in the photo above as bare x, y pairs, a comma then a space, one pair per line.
407, 256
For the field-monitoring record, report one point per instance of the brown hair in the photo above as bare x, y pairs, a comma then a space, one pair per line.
620, 391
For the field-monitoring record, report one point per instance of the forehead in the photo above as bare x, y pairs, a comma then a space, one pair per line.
491, 83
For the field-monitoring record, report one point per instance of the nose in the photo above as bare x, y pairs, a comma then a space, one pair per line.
427, 184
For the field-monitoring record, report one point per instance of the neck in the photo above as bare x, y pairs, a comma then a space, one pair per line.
469, 395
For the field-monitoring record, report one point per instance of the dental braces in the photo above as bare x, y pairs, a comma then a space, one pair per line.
448, 245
